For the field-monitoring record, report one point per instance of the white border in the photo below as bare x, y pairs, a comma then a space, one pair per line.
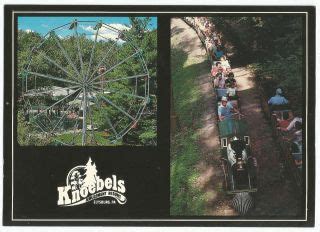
149, 12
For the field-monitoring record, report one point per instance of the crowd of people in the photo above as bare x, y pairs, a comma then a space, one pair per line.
222, 76
223, 80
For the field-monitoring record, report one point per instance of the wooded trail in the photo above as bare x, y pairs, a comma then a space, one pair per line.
276, 196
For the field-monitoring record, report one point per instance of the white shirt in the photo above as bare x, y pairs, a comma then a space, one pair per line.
293, 122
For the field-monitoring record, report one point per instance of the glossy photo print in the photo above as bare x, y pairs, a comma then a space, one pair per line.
159, 116
86, 81
238, 116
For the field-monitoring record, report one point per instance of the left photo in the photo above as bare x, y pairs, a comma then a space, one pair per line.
86, 81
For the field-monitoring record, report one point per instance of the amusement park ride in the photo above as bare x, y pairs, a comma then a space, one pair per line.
91, 90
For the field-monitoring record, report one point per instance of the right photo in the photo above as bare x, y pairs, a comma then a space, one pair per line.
238, 115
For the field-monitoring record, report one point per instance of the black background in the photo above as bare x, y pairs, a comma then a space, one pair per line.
38, 171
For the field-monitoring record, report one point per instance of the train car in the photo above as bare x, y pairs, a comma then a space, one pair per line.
238, 164
291, 148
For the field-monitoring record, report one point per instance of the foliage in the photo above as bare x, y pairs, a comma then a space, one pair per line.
27, 133
109, 53
274, 44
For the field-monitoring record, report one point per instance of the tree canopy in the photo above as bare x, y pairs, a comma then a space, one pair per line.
274, 45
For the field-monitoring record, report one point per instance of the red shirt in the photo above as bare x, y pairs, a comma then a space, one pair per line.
284, 123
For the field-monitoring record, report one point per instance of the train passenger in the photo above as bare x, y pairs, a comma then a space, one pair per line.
226, 109
292, 124
298, 132
278, 99
228, 70
283, 124
231, 93
219, 53
219, 81
224, 62
230, 81
215, 69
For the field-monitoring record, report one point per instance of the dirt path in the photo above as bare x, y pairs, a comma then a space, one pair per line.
275, 197
188, 40
211, 177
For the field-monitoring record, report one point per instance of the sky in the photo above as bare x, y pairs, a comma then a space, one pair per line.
44, 24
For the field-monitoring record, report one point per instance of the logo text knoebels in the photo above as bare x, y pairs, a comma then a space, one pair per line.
77, 195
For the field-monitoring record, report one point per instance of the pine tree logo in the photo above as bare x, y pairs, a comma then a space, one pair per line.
90, 174
84, 185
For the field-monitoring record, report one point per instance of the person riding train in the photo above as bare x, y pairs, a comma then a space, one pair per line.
230, 81
219, 52
216, 68
219, 81
278, 99
226, 109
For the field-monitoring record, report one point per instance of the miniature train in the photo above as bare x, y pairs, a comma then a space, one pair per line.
239, 165
291, 147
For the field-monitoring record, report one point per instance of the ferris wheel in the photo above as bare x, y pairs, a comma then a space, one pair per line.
86, 83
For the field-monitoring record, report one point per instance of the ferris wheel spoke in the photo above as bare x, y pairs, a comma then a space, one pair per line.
91, 120
102, 60
65, 113
41, 128
111, 28
50, 90
52, 77
57, 65
121, 93
56, 103
66, 55
92, 52
113, 67
117, 107
121, 79
107, 117
75, 126
78, 46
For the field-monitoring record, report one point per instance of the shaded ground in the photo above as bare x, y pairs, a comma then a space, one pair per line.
276, 197
209, 178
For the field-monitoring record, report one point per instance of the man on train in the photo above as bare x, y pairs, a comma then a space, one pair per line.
226, 109
278, 99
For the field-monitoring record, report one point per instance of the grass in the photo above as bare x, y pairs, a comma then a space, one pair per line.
186, 198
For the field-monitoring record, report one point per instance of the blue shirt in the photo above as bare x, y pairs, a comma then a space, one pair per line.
218, 54
225, 110
278, 100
